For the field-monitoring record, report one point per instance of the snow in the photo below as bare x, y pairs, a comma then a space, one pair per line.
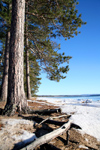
85, 113
17, 130
88, 118
26, 137
15, 122
82, 146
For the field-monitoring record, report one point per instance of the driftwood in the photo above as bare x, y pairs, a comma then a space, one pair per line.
51, 118
39, 119
48, 137
58, 123
45, 111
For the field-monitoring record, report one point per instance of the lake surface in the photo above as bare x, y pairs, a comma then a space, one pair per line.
93, 98
91, 101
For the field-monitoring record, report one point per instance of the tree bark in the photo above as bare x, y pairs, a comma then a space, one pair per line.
16, 96
27, 72
27, 58
4, 86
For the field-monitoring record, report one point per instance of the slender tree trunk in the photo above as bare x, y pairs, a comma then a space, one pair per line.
4, 86
16, 96
27, 72
27, 57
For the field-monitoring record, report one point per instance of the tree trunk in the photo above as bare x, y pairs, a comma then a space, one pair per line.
27, 72
4, 86
16, 96
28, 88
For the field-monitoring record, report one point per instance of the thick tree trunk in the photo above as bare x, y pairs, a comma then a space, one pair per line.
4, 86
27, 72
16, 96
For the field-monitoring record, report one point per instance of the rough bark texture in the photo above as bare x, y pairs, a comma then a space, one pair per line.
16, 95
27, 72
4, 86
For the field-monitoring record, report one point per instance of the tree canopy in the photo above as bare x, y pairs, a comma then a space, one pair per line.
46, 20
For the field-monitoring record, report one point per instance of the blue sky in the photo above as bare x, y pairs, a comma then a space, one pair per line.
84, 74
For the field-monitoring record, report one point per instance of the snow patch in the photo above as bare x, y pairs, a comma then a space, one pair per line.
26, 137
82, 146
15, 122
85, 113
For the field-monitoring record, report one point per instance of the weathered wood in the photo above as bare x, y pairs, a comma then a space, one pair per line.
48, 137
38, 119
45, 111
51, 118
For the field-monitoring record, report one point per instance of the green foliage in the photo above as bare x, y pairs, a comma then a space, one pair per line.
5, 21
34, 75
5, 14
60, 18
46, 20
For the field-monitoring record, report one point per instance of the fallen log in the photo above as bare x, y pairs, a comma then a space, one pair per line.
38, 120
58, 123
48, 137
51, 118
45, 111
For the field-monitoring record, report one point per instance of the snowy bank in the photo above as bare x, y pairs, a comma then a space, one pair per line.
16, 131
85, 113
88, 118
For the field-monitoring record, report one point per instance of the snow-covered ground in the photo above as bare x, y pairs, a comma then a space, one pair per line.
16, 131
86, 113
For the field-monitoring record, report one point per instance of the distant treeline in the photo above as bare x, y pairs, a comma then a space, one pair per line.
84, 95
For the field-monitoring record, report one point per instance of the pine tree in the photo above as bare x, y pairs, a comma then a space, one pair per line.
16, 100
4, 85
28, 88
34, 74
46, 21
5, 15
5, 18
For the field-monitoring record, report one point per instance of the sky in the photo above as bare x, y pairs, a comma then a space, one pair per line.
84, 74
